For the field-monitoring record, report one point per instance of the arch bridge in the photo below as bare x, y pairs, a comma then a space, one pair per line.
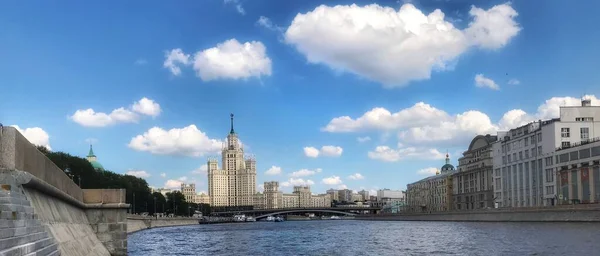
269, 212
304, 211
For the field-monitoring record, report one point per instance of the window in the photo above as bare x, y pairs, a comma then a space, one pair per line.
509, 158
503, 159
526, 142
584, 119
585, 133
539, 138
532, 139
565, 132
565, 144
503, 148
549, 190
548, 161
549, 175
539, 150
507, 147
520, 155
533, 152
526, 153
514, 156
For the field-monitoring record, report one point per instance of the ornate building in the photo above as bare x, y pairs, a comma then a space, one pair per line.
473, 186
189, 192
303, 198
234, 184
93, 160
434, 193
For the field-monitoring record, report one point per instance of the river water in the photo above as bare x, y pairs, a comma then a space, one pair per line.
352, 237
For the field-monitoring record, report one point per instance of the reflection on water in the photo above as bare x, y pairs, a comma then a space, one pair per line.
351, 237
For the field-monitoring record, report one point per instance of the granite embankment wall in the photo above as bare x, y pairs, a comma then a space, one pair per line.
137, 223
576, 213
43, 212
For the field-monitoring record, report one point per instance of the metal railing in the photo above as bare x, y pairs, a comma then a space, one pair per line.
577, 144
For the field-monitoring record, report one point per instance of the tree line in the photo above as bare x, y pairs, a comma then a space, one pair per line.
138, 193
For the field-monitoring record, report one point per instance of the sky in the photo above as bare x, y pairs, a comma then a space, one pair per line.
331, 94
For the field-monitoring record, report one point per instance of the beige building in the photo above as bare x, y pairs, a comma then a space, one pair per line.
364, 194
235, 183
271, 198
473, 184
202, 198
357, 198
303, 198
321, 200
333, 194
163, 191
189, 192
433, 193
344, 195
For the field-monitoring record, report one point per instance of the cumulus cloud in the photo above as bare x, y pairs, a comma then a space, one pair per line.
297, 182
387, 154
363, 139
187, 141
333, 180
356, 176
427, 171
174, 59
330, 151
274, 170
90, 118
392, 46
173, 184
35, 135
483, 82
311, 152
238, 6
305, 172
423, 124
138, 173
202, 170
268, 24
228, 60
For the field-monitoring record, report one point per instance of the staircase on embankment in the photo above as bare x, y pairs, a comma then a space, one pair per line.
21, 233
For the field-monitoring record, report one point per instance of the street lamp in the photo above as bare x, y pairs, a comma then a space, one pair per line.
154, 205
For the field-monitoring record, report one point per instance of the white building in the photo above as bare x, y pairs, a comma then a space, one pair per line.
189, 192
235, 183
364, 194
390, 195
524, 157
577, 171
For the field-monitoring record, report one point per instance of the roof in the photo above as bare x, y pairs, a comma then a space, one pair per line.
91, 153
438, 176
447, 166
97, 165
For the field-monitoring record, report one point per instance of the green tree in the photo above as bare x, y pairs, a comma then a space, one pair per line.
157, 200
176, 200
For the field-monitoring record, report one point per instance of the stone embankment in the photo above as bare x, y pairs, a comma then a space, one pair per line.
43, 212
137, 223
571, 213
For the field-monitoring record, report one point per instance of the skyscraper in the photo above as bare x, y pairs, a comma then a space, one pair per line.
234, 184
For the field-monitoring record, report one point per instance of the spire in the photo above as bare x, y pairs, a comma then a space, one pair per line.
232, 131
447, 158
91, 153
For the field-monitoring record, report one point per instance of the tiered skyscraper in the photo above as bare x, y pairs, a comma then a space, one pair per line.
235, 183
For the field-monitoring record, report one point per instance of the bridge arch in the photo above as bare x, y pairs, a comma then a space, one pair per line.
304, 211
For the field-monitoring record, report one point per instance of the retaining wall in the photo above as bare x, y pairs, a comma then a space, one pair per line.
558, 214
42, 211
135, 223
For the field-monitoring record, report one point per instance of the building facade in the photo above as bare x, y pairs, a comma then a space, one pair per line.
189, 192
390, 195
333, 193
234, 184
202, 198
526, 158
365, 195
303, 198
433, 193
344, 195
577, 171
473, 184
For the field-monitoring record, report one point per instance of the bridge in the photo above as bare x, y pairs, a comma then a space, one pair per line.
261, 213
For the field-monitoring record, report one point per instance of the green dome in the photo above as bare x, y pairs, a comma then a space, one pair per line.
447, 167
97, 165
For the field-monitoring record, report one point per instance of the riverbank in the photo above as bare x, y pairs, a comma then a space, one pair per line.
137, 223
575, 213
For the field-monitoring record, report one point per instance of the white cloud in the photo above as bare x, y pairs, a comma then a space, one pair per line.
202, 170
305, 172
356, 176
333, 151
274, 170
333, 180
342, 186
175, 58
147, 107
423, 124
173, 184
238, 6
268, 24
363, 139
297, 182
391, 46
484, 82
427, 171
261, 188
184, 178
139, 174
232, 60
492, 29
514, 81
90, 118
35, 135
311, 152
387, 154
187, 141
164, 175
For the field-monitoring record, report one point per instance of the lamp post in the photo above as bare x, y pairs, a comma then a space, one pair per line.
154, 205
133, 205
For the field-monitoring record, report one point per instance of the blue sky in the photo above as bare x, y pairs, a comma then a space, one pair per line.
290, 77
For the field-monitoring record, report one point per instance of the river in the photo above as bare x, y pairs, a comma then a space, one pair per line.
352, 237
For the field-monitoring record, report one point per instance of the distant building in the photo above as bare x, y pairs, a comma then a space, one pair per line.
202, 198
333, 194
431, 194
473, 184
357, 198
344, 195
303, 198
163, 191
189, 192
390, 195
364, 194
93, 160
577, 174
234, 185
272, 196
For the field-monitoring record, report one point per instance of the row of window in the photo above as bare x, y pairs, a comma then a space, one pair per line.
513, 158
584, 132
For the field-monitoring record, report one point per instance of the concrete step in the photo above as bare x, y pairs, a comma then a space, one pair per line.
51, 249
15, 208
19, 223
29, 248
20, 231
15, 215
14, 200
13, 194
7, 243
